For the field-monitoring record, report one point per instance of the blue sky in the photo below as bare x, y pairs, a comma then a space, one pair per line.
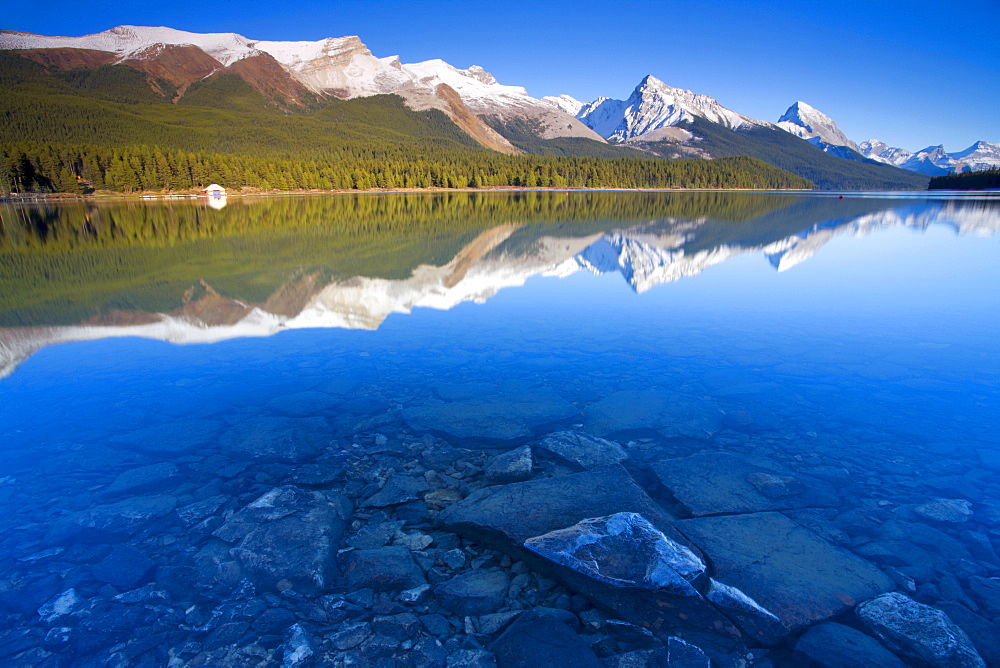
911, 73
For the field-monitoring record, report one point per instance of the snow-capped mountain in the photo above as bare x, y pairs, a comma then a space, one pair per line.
882, 152
820, 130
338, 66
934, 160
652, 106
126, 41
808, 122
567, 103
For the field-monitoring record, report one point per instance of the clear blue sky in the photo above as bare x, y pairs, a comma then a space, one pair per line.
909, 72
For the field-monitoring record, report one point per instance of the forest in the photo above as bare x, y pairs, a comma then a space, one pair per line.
35, 167
988, 179
105, 129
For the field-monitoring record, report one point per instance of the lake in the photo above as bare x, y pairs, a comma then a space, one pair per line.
554, 428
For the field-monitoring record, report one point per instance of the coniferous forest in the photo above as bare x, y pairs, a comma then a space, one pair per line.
69, 168
984, 180
105, 129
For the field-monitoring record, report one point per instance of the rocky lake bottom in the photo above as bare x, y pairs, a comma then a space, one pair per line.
567, 475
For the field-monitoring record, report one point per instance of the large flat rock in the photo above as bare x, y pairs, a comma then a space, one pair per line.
173, 437
500, 417
722, 483
289, 534
286, 440
503, 517
785, 568
668, 413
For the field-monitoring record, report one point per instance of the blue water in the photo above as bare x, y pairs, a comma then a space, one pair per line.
878, 356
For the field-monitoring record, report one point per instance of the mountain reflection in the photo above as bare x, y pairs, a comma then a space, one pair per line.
183, 273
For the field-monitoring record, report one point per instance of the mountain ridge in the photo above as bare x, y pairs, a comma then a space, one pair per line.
204, 69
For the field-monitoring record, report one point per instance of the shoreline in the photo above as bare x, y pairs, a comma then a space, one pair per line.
181, 195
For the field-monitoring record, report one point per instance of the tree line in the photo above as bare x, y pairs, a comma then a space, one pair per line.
35, 167
987, 179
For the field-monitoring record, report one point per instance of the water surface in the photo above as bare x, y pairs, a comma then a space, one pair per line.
322, 344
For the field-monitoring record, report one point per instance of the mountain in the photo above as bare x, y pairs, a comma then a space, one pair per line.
818, 129
230, 72
934, 160
654, 105
673, 122
807, 122
294, 74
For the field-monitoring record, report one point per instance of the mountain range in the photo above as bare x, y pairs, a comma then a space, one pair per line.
296, 77
820, 130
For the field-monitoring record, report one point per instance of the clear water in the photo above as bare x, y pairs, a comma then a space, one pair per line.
859, 346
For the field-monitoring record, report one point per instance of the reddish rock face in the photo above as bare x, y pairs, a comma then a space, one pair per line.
180, 65
267, 75
69, 58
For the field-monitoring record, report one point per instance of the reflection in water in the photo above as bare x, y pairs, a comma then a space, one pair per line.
216, 202
338, 285
727, 461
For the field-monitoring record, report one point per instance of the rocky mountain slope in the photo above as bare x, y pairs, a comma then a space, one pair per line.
292, 74
652, 106
807, 122
297, 76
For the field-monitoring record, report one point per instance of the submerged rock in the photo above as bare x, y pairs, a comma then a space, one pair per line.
832, 645
671, 414
581, 451
918, 632
951, 511
142, 479
500, 417
398, 489
300, 648
173, 437
776, 486
787, 570
476, 593
685, 655
289, 534
748, 613
383, 569
717, 483
62, 605
513, 466
623, 550
124, 567
303, 404
111, 521
273, 439
504, 517
543, 641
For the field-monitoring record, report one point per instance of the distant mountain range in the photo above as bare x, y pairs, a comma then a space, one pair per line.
819, 129
294, 77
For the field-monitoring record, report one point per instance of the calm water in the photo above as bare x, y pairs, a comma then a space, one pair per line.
167, 365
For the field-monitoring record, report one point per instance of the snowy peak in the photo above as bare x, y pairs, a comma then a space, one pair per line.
337, 66
565, 103
807, 122
934, 160
474, 82
654, 105
126, 41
